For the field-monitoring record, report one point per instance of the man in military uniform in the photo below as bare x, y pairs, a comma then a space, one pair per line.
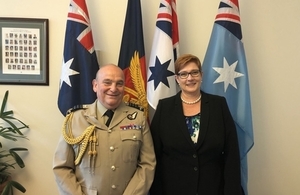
101, 153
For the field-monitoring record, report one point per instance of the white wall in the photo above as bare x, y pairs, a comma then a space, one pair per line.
271, 32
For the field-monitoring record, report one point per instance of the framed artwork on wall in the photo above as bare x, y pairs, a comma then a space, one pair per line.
24, 51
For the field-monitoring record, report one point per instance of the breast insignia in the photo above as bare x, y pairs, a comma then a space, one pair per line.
132, 116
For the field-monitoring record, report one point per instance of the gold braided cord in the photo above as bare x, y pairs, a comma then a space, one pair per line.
83, 138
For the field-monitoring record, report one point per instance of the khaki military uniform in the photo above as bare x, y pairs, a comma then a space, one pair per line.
118, 159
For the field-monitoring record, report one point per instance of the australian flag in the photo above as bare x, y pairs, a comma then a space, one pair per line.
165, 50
225, 73
80, 63
132, 56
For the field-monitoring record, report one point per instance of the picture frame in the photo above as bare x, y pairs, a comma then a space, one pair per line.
24, 51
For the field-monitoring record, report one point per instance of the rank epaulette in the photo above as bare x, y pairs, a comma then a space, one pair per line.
77, 107
135, 106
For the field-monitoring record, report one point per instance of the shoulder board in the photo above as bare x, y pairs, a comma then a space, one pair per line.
135, 106
77, 107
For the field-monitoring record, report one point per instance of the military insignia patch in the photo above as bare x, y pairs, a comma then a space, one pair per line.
132, 116
135, 106
77, 107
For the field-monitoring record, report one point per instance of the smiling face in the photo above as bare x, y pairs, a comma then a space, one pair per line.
188, 74
189, 78
109, 86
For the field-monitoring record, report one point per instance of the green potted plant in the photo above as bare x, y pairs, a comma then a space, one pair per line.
10, 129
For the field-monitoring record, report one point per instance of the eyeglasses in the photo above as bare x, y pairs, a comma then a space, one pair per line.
184, 75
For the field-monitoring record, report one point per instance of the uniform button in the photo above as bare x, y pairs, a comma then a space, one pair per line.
109, 131
113, 187
113, 168
195, 155
111, 148
195, 168
134, 137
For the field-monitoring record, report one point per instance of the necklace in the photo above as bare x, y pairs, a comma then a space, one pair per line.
193, 102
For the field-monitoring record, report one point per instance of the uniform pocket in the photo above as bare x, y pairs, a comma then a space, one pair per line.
131, 143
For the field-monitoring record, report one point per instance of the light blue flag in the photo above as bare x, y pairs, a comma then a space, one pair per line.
225, 74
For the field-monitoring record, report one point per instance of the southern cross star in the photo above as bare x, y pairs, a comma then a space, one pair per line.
160, 73
227, 74
67, 72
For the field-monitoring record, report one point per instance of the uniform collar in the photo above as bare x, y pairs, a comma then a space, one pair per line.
100, 109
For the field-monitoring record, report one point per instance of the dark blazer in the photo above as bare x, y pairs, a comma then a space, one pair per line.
210, 167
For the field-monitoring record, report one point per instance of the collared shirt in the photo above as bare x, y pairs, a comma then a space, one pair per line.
102, 118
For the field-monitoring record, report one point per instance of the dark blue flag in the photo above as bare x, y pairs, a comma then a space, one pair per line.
79, 60
225, 73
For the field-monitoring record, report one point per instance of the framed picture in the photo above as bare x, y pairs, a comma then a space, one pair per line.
24, 51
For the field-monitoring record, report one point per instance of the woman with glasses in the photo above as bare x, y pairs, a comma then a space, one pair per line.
195, 139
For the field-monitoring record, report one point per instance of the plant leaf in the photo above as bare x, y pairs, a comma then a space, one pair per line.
4, 102
10, 185
16, 156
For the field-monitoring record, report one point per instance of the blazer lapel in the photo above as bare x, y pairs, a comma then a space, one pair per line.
180, 120
90, 115
120, 113
203, 120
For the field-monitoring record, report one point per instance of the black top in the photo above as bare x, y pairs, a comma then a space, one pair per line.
212, 166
